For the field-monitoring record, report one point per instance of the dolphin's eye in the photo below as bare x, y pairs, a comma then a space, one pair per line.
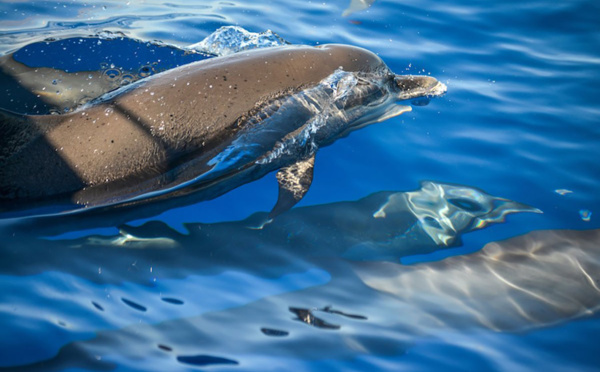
466, 204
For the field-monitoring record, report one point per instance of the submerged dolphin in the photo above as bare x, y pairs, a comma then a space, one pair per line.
211, 125
418, 222
536, 280
381, 226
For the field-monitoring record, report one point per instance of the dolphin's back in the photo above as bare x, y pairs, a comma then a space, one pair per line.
529, 281
132, 140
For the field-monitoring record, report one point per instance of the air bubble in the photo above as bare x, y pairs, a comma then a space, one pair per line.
112, 73
145, 71
127, 79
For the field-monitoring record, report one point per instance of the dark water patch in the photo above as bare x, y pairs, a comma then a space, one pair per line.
171, 300
306, 316
115, 54
328, 309
165, 347
134, 305
204, 360
97, 306
274, 332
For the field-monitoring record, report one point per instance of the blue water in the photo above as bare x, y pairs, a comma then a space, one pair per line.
520, 120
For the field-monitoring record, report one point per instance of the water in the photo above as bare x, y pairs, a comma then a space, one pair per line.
195, 289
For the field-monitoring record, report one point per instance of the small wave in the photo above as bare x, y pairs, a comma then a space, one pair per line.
233, 39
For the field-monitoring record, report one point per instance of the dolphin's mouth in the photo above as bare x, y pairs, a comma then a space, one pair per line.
416, 86
438, 90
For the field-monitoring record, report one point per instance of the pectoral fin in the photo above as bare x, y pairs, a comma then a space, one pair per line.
294, 181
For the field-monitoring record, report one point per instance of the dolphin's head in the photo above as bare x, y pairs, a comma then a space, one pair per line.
366, 89
417, 86
445, 211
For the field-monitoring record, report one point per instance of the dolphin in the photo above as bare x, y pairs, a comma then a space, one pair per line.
539, 279
417, 222
208, 126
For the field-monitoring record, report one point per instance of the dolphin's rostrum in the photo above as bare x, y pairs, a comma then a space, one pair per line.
211, 126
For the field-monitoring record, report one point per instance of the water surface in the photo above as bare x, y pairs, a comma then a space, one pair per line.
520, 121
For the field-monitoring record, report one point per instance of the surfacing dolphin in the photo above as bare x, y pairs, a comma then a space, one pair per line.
208, 126
536, 280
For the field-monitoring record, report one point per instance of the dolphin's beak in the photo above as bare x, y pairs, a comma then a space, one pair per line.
506, 206
502, 208
415, 86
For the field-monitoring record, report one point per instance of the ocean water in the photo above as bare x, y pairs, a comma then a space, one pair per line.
325, 287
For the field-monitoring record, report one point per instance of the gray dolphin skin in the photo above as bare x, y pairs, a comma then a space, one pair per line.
536, 280
211, 125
